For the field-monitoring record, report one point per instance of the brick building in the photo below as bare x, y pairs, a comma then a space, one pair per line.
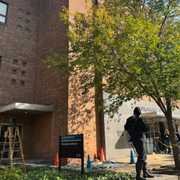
45, 103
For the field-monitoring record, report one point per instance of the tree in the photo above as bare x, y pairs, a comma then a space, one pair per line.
146, 58
135, 46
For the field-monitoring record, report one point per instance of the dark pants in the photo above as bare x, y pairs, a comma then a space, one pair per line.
141, 159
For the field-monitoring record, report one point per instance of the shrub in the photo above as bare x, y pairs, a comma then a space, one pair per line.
53, 174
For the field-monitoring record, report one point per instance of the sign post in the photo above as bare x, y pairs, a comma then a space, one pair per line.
72, 146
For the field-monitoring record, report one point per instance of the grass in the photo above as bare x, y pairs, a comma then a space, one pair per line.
53, 174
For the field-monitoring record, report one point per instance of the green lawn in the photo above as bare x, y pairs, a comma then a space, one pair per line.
53, 174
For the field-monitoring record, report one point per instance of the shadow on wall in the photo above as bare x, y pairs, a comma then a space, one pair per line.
81, 111
122, 142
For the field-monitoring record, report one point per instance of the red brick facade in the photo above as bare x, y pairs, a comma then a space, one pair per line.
32, 31
18, 44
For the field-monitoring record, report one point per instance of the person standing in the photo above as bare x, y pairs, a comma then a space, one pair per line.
166, 141
178, 136
136, 129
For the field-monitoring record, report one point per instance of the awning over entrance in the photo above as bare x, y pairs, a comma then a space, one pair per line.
26, 107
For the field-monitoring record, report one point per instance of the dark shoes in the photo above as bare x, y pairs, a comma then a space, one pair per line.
148, 175
145, 175
140, 178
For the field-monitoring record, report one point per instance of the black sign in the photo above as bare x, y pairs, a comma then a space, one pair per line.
72, 146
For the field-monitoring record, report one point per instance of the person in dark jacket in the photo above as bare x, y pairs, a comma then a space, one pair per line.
178, 136
136, 129
167, 142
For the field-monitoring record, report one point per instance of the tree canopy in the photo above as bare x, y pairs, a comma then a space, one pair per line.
134, 44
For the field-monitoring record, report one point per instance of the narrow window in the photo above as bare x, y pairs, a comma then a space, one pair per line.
24, 63
3, 12
14, 71
23, 73
0, 61
22, 83
13, 81
15, 61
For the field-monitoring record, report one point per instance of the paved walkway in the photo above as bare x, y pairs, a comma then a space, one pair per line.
156, 162
166, 177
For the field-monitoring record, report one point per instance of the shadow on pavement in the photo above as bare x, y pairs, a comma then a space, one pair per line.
169, 170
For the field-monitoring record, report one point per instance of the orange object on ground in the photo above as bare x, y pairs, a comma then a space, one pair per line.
102, 154
95, 157
55, 161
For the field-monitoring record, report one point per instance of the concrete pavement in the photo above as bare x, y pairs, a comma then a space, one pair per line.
166, 177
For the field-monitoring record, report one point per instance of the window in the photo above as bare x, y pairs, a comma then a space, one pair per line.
22, 83
3, 12
0, 61
14, 71
15, 61
13, 81
23, 73
24, 63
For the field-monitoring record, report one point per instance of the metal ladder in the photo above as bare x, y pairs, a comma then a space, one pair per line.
12, 148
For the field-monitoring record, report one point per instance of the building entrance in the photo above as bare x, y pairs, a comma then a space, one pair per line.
158, 135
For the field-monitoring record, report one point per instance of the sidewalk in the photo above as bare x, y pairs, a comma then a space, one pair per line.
160, 164
166, 177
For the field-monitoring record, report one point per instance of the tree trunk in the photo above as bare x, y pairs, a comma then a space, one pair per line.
172, 131
99, 109
99, 104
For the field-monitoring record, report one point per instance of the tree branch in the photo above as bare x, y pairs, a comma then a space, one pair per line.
156, 99
156, 89
143, 4
165, 19
163, 108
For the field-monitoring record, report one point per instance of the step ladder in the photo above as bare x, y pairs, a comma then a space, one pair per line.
11, 147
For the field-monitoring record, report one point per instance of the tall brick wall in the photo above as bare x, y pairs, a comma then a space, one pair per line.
33, 29
18, 51
52, 86
81, 114
32, 32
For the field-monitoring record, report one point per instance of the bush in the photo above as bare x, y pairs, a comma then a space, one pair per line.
53, 174
11, 174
